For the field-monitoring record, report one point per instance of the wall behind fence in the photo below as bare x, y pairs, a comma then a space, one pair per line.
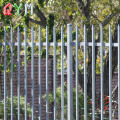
36, 83
43, 83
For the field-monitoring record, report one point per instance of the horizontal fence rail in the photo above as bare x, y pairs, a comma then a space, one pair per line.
70, 61
64, 44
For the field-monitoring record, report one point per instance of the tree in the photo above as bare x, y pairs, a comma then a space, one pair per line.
86, 10
91, 12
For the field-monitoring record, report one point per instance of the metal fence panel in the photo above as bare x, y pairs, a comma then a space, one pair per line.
54, 73
32, 71
102, 94
5, 113
85, 75
47, 80
69, 75
110, 73
40, 118
62, 44
77, 100
18, 35
25, 73
93, 74
11, 73
118, 72
62, 74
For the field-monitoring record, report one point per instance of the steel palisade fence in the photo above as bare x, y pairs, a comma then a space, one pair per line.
69, 45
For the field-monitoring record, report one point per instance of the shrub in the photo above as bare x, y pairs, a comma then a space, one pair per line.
15, 107
58, 103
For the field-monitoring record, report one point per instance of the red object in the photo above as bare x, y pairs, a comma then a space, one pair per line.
7, 11
106, 108
107, 102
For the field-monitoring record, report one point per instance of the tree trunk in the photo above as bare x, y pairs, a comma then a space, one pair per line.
114, 61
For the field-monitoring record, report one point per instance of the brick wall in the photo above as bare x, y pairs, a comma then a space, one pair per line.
29, 84
98, 87
36, 83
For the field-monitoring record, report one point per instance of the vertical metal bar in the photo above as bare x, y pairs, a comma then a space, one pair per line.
31, 8
54, 73
93, 74
5, 114
118, 72
62, 75
47, 82
25, 73
85, 76
11, 73
25, 9
40, 73
18, 73
77, 103
69, 73
101, 50
32, 72
110, 73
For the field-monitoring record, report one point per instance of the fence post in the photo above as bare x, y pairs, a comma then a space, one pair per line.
110, 73
118, 72
69, 73
62, 74
93, 73
5, 113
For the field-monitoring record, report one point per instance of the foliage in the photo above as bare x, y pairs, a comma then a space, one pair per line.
15, 107
58, 102
41, 3
50, 24
81, 104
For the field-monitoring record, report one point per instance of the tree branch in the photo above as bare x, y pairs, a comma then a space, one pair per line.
81, 5
87, 9
35, 21
42, 17
96, 18
108, 19
39, 13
